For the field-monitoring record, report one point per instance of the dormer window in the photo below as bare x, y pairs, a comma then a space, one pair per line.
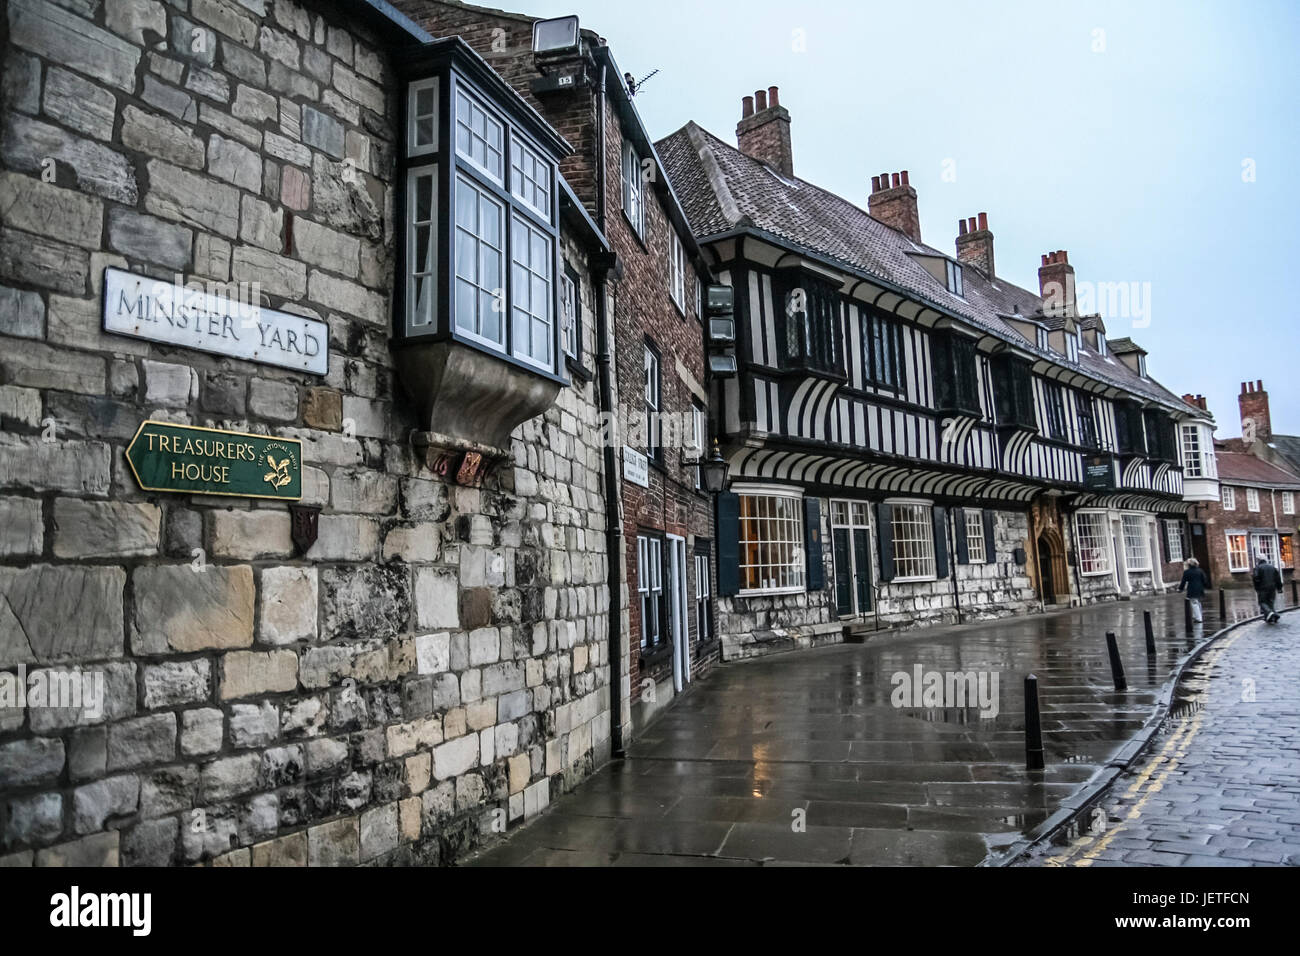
1101, 342
1142, 365
1044, 339
1072, 347
954, 278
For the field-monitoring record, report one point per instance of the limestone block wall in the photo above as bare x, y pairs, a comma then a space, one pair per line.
435, 666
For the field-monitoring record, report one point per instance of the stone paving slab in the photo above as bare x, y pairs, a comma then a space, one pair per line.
1221, 784
803, 759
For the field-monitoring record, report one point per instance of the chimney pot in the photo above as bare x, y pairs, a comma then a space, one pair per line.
763, 132
896, 208
760, 100
1044, 259
747, 107
897, 180
875, 184
961, 227
971, 224
771, 97
1259, 385
984, 220
905, 182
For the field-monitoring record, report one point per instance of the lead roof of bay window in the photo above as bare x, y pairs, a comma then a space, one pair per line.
723, 191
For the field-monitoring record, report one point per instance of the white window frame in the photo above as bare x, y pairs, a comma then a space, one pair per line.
1192, 461
1244, 551
497, 294
1174, 535
1136, 545
677, 271
780, 510
1093, 543
1288, 502
1252, 499
490, 121
522, 301
975, 534
654, 406
633, 189
649, 583
568, 315
1228, 495
523, 185
697, 440
413, 117
956, 284
907, 514
430, 274
1266, 542
703, 598
1101, 342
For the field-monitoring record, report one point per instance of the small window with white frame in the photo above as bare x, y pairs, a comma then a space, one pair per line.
532, 268
1093, 542
480, 137
1264, 544
771, 542
697, 441
1252, 499
422, 121
569, 332
653, 448
1192, 451
1238, 554
976, 546
650, 588
912, 527
1229, 496
1288, 502
703, 599
530, 177
1137, 556
633, 189
677, 270
1174, 535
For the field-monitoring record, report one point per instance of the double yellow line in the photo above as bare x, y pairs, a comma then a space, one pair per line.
1084, 850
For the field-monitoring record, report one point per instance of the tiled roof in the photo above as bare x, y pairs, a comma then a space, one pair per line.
1239, 466
722, 189
1121, 346
1288, 446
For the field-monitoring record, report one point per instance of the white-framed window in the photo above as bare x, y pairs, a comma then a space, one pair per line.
912, 528
569, 315
1044, 340
480, 240
422, 245
1192, 451
1264, 544
771, 542
530, 177
532, 265
677, 270
1093, 542
480, 136
652, 405
1101, 342
1229, 495
703, 599
976, 549
1174, 535
650, 588
422, 118
697, 440
1072, 347
1137, 556
1252, 499
633, 189
955, 284
1238, 554
1288, 502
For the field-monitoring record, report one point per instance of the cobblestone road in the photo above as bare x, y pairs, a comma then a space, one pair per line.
804, 758
1221, 786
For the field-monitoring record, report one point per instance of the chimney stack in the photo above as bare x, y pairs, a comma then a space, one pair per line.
1196, 401
895, 205
763, 132
975, 243
1056, 284
1253, 402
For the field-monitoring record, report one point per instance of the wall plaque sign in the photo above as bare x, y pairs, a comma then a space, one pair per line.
203, 316
635, 467
1099, 473
206, 461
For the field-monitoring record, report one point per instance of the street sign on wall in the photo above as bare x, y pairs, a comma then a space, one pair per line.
1099, 473
635, 467
207, 461
212, 321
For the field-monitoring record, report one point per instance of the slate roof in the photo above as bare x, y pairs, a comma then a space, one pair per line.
1244, 467
1288, 446
722, 189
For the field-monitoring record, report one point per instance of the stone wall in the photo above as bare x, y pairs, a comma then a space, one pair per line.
436, 664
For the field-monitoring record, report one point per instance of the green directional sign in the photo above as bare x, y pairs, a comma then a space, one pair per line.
207, 461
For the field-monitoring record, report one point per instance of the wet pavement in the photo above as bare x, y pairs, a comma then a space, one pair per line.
1221, 786
803, 758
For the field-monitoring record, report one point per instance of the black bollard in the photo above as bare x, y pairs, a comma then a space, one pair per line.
1116, 665
1187, 615
1033, 726
1223, 605
1151, 637
1293, 593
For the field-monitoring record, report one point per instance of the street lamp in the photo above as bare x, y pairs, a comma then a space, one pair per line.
713, 471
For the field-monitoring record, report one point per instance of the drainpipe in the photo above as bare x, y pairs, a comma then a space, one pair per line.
613, 551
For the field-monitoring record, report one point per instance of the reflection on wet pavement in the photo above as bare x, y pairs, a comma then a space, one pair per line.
803, 758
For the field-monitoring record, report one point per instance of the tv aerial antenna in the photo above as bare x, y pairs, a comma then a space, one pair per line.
634, 85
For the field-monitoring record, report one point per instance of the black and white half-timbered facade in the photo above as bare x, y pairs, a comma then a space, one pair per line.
911, 438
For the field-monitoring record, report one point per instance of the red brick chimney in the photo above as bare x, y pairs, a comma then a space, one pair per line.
764, 130
1197, 401
1253, 402
975, 243
1056, 283
895, 204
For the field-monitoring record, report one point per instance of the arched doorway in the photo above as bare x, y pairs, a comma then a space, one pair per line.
1052, 578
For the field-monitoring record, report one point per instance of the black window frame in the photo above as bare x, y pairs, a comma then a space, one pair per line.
1086, 412
882, 350
1058, 428
955, 366
1013, 391
816, 329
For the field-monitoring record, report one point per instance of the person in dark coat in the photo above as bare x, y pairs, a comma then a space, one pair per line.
1268, 585
1195, 582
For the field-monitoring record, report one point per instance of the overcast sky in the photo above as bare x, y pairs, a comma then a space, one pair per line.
1124, 133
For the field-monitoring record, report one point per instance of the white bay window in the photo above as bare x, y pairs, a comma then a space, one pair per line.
1093, 542
771, 543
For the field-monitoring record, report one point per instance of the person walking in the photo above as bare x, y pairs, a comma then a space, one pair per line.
1268, 585
1195, 581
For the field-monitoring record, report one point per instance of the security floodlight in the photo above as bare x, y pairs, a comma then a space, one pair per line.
555, 37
